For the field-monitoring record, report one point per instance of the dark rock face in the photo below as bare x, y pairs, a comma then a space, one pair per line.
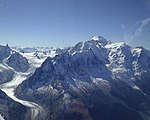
4, 52
92, 104
5, 74
10, 109
18, 62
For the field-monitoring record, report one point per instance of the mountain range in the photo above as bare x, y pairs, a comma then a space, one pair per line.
93, 80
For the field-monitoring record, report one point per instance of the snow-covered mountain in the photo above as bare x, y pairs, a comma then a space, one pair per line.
10, 62
16, 65
92, 80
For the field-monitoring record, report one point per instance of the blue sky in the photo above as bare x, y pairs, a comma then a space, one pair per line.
62, 23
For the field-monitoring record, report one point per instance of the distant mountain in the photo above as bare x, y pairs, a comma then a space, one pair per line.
92, 80
31, 49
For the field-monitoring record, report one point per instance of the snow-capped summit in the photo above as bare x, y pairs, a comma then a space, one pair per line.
99, 39
92, 44
97, 47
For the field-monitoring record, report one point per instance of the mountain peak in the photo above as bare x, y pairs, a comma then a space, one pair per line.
99, 39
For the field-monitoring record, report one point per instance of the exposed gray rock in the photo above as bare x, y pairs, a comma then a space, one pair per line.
6, 74
10, 109
4, 52
18, 62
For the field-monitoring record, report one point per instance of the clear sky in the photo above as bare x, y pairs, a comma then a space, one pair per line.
60, 23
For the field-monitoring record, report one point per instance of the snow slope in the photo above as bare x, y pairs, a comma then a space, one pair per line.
1, 118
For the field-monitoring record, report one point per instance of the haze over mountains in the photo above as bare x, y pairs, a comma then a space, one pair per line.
93, 80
